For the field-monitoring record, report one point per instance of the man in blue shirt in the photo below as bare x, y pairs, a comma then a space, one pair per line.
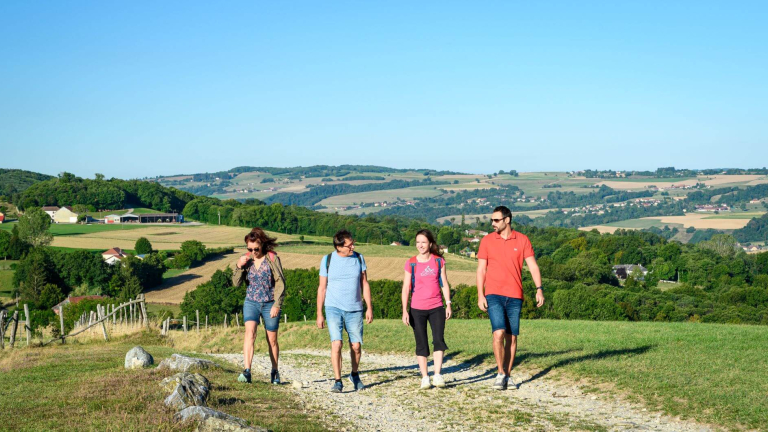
342, 274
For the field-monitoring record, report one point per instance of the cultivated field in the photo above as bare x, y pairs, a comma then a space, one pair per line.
172, 290
714, 181
697, 220
382, 195
166, 237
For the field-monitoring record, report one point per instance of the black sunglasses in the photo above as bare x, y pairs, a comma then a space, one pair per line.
253, 250
497, 220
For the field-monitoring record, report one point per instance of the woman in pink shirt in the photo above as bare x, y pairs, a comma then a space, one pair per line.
424, 279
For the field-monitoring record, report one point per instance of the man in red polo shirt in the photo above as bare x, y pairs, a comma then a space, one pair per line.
500, 287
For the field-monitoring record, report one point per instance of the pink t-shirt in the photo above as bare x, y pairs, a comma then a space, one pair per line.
427, 294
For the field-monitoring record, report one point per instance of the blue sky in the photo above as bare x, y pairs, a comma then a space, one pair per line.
134, 89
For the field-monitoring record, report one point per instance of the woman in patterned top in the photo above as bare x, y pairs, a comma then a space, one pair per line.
262, 270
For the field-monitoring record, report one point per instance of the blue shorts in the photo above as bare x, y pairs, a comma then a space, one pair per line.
339, 320
504, 313
252, 311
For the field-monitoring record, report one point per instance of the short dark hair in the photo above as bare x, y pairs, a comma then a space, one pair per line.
505, 212
340, 238
267, 243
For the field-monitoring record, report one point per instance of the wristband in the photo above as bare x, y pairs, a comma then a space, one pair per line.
540, 288
448, 302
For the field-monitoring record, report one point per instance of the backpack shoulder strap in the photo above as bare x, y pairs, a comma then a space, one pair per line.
439, 271
328, 262
413, 262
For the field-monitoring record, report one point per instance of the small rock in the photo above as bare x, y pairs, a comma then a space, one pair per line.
212, 420
184, 363
297, 385
137, 358
186, 390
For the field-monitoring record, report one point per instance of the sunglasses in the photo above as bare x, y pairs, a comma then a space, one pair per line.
497, 220
253, 250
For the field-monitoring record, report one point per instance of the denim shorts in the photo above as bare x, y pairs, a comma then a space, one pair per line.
504, 313
339, 320
252, 311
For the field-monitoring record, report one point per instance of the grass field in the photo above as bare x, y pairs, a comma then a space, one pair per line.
713, 373
72, 229
85, 387
736, 215
165, 237
382, 195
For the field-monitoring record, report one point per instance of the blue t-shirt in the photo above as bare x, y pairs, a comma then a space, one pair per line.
343, 291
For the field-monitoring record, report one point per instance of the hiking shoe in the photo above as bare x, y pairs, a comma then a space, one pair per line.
356, 382
245, 376
275, 377
501, 382
337, 387
425, 383
511, 383
438, 381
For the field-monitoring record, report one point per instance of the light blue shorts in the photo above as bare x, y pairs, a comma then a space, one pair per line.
253, 311
339, 320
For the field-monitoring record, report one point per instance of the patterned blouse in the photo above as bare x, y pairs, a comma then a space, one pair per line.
260, 287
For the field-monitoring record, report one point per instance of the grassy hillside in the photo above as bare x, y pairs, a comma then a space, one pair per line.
85, 387
712, 373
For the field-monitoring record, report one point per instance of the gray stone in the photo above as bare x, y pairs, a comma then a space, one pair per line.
183, 363
186, 390
137, 358
211, 420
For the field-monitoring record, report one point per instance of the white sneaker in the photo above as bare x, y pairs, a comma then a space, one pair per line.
425, 383
438, 381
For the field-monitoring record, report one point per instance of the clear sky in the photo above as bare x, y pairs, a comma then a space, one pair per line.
132, 89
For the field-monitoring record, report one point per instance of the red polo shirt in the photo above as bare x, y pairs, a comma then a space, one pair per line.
505, 258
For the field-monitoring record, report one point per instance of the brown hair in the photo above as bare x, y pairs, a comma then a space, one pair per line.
340, 238
268, 244
434, 249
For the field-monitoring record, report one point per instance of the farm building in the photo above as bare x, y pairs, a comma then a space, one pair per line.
622, 271
75, 300
129, 218
65, 215
113, 255
712, 208
159, 217
51, 210
112, 219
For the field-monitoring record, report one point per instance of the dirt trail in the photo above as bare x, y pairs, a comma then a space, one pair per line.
392, 401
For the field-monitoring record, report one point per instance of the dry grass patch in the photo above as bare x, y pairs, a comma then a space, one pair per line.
172, 290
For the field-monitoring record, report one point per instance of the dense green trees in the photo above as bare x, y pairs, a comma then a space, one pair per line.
319, 193
102, 194
33, 227
142, 246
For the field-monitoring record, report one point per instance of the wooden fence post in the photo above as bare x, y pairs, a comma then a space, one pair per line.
197, 320
14, 326
144, 310
185, 323
61, 321
206, 322
237, 320
285, 318
225, 321
103, 324
114, 316
28, 324
2, 329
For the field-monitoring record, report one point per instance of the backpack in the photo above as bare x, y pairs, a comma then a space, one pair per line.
413, 262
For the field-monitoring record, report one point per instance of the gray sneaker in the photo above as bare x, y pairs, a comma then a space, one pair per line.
501, 382
337, 387
356, 382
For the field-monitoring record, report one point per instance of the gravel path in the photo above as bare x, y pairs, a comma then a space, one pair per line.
393, 402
